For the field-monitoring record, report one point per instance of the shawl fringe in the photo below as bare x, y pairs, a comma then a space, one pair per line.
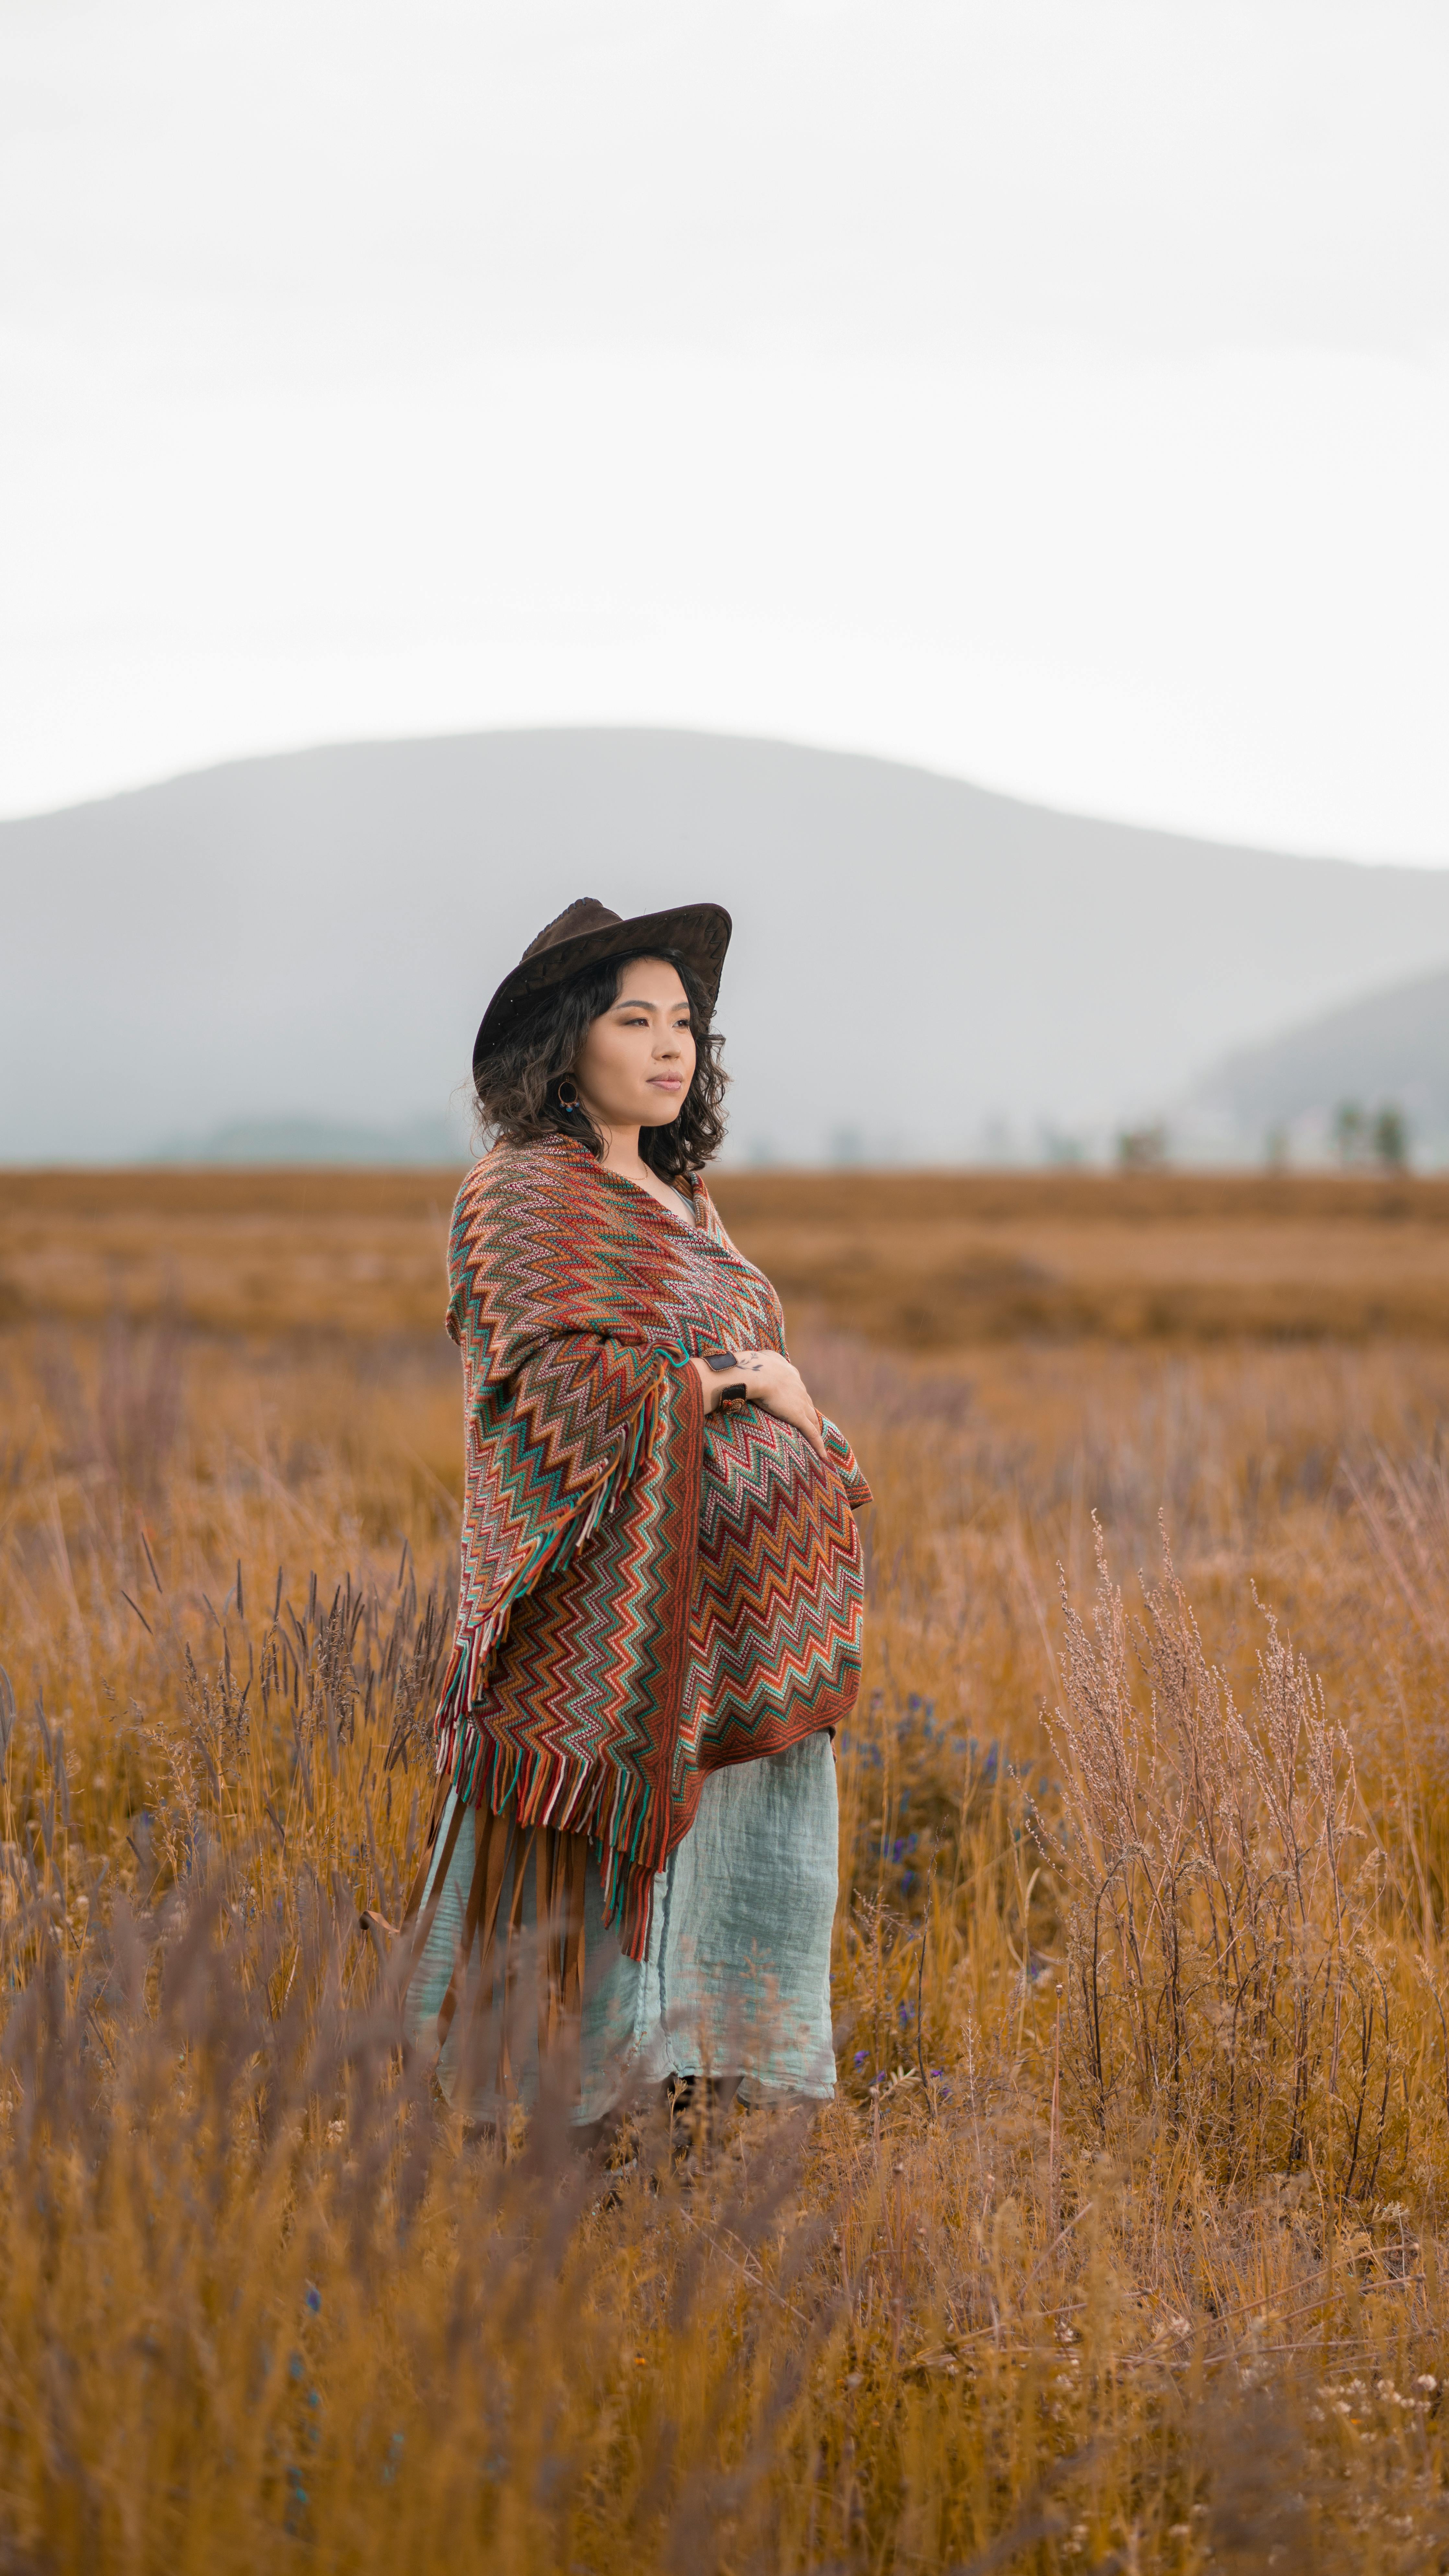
570, 1798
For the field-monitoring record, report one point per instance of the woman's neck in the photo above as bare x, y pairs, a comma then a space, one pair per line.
621, 1156
621, 1152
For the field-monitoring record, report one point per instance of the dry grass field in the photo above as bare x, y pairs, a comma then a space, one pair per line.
919, 1261
1126, 2243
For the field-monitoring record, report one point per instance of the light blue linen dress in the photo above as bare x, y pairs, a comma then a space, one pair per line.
736, 1980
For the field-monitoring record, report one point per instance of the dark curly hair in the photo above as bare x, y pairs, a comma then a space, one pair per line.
517, 1085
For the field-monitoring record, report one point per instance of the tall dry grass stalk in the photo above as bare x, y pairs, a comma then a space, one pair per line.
1122, 2245
1226, 1943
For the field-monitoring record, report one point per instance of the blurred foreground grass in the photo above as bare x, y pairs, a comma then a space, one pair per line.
1125, 2243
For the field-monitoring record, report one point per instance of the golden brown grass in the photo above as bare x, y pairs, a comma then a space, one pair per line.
1124, 2244
916, 1260
929, 1261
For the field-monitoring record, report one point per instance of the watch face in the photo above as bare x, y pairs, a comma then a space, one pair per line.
719, 1361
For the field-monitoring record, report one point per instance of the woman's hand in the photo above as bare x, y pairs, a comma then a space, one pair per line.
773, 1384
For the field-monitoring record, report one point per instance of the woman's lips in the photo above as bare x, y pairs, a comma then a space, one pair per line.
665, 1082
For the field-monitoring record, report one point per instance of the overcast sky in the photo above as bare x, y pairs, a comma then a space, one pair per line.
1053, 391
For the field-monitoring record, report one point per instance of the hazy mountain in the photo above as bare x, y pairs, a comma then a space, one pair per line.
1390, 1048
919, 967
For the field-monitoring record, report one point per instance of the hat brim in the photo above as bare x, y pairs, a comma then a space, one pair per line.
700, 932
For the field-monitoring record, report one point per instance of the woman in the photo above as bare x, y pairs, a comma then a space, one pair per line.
659, 1616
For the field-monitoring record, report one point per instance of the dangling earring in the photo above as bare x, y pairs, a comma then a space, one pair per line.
567, 1106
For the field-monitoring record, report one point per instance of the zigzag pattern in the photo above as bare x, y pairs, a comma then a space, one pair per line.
644, 1597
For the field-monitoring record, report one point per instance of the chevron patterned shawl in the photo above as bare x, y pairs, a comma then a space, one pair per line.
645, 1595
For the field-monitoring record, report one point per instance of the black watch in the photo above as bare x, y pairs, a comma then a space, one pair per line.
719, 1361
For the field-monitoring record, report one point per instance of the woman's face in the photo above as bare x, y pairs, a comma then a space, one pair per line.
637, 1062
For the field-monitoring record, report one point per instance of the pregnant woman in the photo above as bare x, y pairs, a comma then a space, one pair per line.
631, 1866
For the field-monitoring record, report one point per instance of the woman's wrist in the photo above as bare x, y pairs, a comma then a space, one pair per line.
717, 1371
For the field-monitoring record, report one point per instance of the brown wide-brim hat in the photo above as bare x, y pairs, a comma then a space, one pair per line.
698, 932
